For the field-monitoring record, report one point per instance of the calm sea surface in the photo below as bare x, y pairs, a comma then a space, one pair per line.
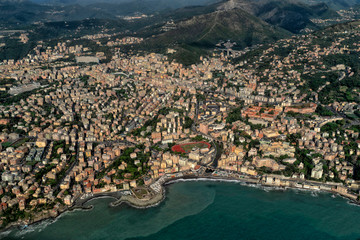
209, 210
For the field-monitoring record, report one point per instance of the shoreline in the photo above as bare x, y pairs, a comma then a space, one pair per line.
158, 198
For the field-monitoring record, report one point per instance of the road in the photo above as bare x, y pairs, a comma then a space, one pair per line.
70, 167
343, 115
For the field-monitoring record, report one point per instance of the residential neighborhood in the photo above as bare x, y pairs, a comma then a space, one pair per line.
70, 129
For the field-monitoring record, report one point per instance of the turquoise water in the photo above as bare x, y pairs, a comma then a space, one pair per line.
209, 210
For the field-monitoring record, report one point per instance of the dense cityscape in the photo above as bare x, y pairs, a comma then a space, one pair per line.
77, 123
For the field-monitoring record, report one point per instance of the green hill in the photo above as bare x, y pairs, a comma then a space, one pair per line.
291, 15
208, 29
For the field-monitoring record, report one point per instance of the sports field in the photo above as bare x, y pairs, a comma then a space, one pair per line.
187, 147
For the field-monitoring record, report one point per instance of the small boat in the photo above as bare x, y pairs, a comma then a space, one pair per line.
333, 196
23, 227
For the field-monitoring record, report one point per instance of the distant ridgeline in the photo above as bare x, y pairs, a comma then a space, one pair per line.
190, 27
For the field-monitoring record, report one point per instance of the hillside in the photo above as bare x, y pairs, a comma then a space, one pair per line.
334, 4
191, 30
235, 25
21, 13
195, 36
291, 15
147, 6
156, 4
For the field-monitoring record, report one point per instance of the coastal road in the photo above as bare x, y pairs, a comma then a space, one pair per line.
80, 202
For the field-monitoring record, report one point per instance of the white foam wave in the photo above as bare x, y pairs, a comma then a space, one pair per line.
314, 194
38, 227
352, 203
4, 234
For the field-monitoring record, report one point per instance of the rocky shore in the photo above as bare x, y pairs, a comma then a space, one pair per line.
38, 218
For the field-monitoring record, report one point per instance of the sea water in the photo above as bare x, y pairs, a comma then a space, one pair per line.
208, 210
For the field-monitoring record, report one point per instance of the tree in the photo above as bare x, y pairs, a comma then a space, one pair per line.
188, 122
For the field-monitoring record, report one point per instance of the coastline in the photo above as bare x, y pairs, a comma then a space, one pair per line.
137, 203
159, 197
